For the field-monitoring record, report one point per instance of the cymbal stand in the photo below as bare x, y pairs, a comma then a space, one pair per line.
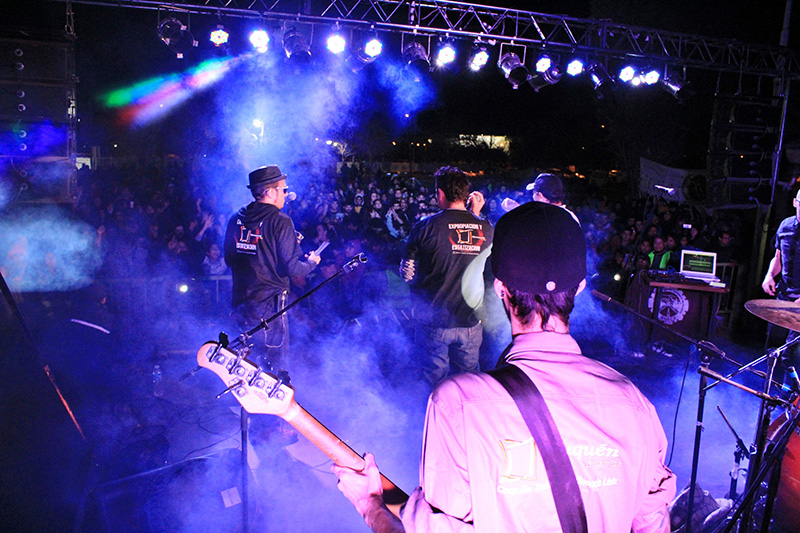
771, 463
740, 452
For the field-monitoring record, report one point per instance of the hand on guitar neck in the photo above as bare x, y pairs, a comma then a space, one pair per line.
364, 489
261, 392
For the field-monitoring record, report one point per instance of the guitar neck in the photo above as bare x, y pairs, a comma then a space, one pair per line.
339, 452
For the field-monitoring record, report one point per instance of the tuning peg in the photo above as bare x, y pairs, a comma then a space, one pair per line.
223, 339
226, 391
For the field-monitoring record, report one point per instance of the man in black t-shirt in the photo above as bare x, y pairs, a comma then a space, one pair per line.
263, 252
786, 262
443, 261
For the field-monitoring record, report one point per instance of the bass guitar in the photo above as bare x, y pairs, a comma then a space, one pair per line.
261, 392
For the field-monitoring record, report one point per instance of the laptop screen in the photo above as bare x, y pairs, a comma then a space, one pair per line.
694, 262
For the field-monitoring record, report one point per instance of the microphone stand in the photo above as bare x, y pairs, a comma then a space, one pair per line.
349, 266
707, 351
241, 347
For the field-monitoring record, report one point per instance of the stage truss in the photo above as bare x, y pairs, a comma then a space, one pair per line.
471, 21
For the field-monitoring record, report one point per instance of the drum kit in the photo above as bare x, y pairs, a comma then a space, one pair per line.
771, 498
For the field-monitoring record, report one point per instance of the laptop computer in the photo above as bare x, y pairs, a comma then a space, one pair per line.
699, 265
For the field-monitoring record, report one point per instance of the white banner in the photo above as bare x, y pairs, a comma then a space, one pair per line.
660, 180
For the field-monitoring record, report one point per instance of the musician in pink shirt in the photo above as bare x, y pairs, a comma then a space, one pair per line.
481, 468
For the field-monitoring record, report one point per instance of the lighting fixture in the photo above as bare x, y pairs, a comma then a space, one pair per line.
176, 35
364, 54
415, 57
627, 74
677, 86
260, 40
478, 57
575, 67
512, 68
373, 48
544, 63
296, 46
550, 76
445, 55
336, 43
219, 36
651, 76
600, 78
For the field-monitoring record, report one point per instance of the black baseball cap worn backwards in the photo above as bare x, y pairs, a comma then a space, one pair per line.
538, 248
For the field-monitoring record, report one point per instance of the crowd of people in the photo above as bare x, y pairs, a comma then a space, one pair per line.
149, 218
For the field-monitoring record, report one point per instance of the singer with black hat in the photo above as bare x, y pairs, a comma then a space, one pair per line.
566, 444
263, 252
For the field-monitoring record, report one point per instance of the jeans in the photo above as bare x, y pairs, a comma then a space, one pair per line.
444, 348
270, 345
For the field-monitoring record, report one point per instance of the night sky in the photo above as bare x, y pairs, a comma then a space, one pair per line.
562, 124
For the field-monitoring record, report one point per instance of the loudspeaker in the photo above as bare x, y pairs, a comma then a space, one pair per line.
202, 494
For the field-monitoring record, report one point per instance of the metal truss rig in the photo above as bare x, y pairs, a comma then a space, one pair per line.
470, 21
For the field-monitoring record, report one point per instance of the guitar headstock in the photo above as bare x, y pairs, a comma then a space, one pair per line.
258, 391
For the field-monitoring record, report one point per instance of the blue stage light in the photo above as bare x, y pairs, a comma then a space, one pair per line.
445, 55
260, 40
627, 74
336, 44
575, 67
478, 58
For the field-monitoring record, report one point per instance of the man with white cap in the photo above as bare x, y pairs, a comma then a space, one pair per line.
262, 251
482, 469
545, 188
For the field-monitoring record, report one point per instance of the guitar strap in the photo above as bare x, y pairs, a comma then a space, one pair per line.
563, 484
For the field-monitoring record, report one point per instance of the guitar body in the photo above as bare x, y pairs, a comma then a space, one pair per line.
260, 392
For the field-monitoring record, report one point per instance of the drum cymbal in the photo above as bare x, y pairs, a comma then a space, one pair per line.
778, 312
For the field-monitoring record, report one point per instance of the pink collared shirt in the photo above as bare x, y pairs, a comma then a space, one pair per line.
482, 470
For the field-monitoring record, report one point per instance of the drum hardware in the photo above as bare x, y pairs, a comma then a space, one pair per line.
741, 451
785, 315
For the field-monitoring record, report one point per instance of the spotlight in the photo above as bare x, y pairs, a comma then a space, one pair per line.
575, 67
478, 58
651, 76
296, 46
544, 63
365, 54
219, 36
445, 55
550, 76
513, 69
627, 74
336, 44
373, 48
600, 78
415, 57
177, 36
677, 86
260, 40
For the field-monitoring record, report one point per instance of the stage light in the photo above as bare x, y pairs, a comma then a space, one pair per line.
219, 36
336, 43
445, 55
627, 74
364, 54
544, 63
176, 35
415, 56
373, 48
260, 40
296, 46
478, 58
550, 76
651, 76
600, 78
513, 69
677, 86
575, 67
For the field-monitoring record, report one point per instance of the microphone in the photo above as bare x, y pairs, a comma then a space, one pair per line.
292, 196
668, 190
354, 262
